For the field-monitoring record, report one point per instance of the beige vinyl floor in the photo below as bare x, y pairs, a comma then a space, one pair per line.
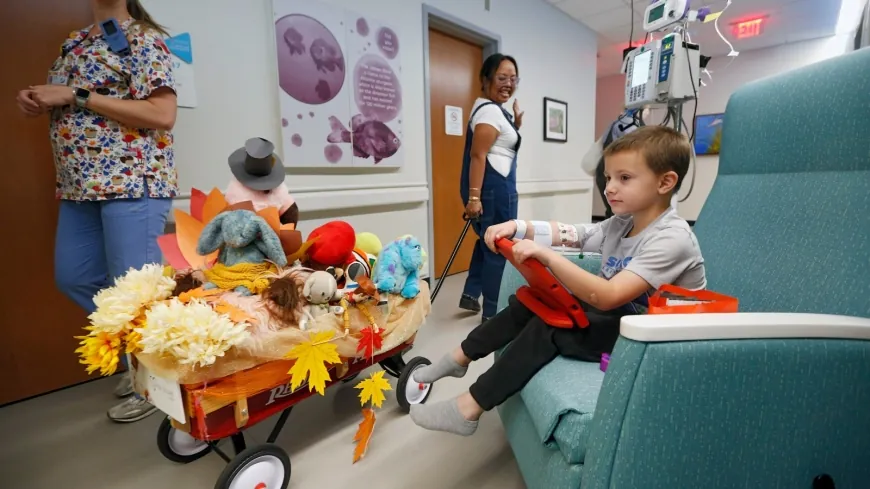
64, 440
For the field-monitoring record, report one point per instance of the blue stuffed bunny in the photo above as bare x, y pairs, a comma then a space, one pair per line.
242, 237
397, 268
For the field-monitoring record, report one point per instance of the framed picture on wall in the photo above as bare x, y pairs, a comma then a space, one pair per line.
708, 134
555, 120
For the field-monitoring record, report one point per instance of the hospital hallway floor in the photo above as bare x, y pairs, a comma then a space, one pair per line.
64, 441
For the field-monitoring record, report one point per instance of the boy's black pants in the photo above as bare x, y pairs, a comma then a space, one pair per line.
533, 344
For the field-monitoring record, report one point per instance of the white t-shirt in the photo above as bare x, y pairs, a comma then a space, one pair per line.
501, 154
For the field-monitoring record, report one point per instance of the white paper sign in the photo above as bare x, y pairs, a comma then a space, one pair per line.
165, 394
453, 120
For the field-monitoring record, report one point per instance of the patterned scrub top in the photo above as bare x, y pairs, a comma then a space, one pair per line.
97, 158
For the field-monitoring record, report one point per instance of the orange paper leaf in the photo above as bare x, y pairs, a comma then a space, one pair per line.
214, 204
364, 434
198, 293
168, 244
236, 315
187, 230
270, 214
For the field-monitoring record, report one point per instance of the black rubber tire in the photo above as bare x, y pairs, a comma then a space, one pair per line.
405, 377
163, 434
247, 457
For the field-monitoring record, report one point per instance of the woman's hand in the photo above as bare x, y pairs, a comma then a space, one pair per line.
48, 96
518, 114
499, 231
27, 105
524, 249
473, 209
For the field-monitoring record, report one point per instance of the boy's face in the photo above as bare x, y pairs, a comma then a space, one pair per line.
631, 185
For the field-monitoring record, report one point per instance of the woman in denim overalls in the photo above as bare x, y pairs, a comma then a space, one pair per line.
489, 176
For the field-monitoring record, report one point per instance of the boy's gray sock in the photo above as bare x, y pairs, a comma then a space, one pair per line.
442, 416
446, 367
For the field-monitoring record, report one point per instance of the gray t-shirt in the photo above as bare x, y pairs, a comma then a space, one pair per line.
666, 252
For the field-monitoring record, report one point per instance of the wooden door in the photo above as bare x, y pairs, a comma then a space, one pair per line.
37, 323
454, 66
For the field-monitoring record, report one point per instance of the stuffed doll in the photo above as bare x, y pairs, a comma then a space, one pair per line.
319, 290
397, 268
246, 243
258, 177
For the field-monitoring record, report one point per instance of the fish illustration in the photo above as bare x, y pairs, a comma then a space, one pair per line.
370, 137
294, 41
325, 56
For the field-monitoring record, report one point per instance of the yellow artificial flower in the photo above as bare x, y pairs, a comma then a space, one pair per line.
100, 351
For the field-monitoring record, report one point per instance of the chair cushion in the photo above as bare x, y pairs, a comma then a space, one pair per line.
561, 400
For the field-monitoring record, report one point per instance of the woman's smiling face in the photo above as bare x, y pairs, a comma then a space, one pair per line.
503, 83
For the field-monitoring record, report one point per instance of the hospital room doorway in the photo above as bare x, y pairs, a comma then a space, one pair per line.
456, 53
38, 323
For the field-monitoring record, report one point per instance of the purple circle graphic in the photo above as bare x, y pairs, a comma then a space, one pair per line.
311, 64
284, 122
377, 90
311, 114
362, 27
333, 153
296, 139
388, 41
299, 116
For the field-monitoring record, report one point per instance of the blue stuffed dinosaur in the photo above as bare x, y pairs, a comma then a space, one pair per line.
242, 237
397, 268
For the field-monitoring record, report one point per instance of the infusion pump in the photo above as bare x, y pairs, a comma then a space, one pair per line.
664, 71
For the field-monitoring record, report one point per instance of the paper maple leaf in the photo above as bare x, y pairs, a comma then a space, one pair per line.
311, 359
364, 434
372, 389
370, 342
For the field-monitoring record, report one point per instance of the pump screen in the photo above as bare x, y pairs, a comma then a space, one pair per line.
640, 70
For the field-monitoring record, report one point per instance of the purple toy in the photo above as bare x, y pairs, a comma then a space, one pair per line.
605, 359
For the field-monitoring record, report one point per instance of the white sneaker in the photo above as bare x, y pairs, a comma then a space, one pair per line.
125, 386
131, 410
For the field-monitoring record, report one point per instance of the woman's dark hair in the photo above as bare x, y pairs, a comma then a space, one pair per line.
143, 18
490, 66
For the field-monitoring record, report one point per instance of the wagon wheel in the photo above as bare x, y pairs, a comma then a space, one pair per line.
179, 446
409, 392
260, 467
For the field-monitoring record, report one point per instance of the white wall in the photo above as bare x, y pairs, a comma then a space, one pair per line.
236, 79
747, 67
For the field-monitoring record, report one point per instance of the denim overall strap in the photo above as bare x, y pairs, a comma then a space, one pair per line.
499, 201
466, 155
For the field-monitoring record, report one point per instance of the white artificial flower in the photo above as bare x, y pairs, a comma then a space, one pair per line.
193, 333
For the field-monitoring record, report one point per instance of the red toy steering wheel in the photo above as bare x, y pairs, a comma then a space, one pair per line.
545, 296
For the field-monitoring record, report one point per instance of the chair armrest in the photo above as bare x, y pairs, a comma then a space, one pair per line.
654, 328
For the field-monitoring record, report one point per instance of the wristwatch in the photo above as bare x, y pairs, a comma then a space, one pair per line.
82, 95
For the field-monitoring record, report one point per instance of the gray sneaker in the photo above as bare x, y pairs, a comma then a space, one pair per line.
125, 386
131, 410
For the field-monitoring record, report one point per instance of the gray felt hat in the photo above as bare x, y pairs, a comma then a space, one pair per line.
256, 165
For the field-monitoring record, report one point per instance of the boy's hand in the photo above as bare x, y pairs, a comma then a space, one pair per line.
524, 249
499, 231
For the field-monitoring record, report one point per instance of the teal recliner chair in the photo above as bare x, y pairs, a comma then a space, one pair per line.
774, 396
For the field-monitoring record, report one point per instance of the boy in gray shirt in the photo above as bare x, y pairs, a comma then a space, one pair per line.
644, 246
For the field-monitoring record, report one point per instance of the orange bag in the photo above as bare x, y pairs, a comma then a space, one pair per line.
692, 301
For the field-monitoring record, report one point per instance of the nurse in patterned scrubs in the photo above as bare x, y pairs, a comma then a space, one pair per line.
111, 115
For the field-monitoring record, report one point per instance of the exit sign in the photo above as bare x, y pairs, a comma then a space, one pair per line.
748, 28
